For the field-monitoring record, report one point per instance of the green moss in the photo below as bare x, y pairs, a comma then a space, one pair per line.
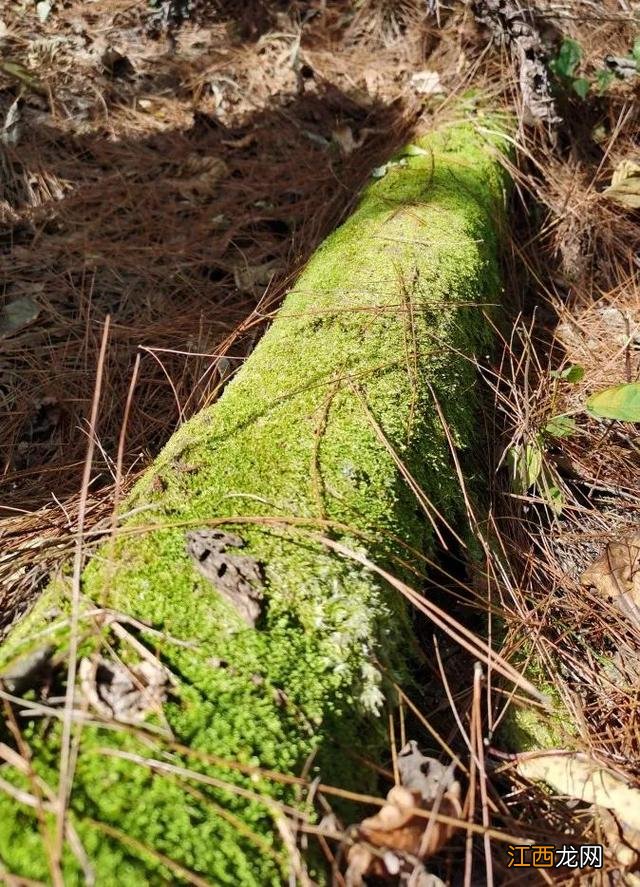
384, 318
528, 728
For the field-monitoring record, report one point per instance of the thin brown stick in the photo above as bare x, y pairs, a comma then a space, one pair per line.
66, 774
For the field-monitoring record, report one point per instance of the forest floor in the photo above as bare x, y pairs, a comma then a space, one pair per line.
176, 175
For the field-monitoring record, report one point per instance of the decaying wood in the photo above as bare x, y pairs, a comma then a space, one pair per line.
238, 578
292, 445
513, 24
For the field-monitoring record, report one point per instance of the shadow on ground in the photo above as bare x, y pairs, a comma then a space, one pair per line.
179, 236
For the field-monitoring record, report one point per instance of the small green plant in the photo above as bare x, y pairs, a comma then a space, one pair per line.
565, 65
560, 426
526, 461
604, 79
528, 469
567, 62
573, 373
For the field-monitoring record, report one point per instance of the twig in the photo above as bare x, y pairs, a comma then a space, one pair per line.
66, 773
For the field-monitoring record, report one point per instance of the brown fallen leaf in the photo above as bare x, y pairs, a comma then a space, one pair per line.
398, 837
398, 827
615, 803
198, 175
345, 140
254, 279
237, 577
241, 143
615, 575
424, 775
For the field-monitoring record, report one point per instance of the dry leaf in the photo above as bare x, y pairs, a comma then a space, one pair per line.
240, 144
198, 175
622, 840
165, 109
621, 326
616, 575
11, 131
255, 278
578, 776
427, 83
424, 775
345, 140
625, 185
396, 826
392, 841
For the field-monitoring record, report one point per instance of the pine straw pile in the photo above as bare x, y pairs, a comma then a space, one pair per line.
174, 174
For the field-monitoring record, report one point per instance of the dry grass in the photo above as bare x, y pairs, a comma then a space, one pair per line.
179, 195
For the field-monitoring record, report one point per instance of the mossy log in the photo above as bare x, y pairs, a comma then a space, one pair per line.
277, 650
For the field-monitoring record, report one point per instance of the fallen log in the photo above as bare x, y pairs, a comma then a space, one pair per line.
234, 636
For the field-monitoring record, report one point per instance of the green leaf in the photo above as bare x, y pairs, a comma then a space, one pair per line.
635, 52
555, 499
568, 58
604, 79
573, 373
620, 402
561, 426
581, 86
525, 465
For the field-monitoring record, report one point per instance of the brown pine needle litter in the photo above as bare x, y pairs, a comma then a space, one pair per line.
162, 180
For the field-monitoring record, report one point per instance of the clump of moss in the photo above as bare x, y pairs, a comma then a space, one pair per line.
307, 440
527, 728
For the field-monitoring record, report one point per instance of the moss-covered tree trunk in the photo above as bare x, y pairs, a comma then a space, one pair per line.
328, 430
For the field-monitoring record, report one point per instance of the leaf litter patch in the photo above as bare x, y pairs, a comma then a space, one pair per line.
176, 199
395, 842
